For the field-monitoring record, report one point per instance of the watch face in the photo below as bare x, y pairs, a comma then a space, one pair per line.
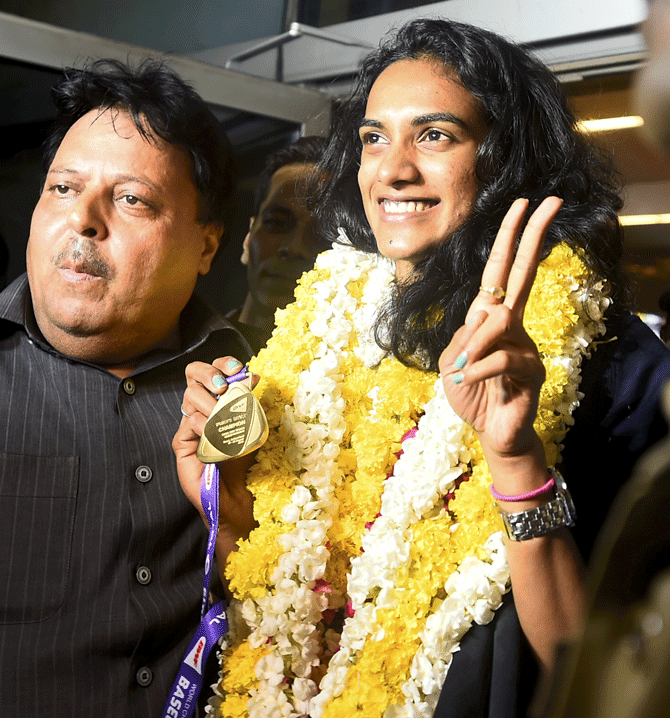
563, 494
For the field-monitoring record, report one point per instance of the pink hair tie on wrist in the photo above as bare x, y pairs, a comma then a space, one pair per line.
523, 497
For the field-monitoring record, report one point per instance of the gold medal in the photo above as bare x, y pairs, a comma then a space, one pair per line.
236, 426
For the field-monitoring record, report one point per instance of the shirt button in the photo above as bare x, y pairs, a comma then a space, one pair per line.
143, 575
129, 386
144, 676
143, 474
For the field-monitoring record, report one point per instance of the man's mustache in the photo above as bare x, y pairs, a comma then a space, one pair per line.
83, 256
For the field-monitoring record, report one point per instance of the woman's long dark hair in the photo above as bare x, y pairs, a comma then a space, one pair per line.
532, 150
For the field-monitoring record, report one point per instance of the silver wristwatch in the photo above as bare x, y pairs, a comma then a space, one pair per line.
560, 511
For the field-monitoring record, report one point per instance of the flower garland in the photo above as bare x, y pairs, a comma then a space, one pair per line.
366, 569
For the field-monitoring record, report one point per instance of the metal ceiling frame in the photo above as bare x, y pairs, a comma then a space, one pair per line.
46, 45
295, 31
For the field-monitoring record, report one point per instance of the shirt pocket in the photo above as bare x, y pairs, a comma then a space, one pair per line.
38, 496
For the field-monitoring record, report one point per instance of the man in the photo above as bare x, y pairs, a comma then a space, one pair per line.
103, 556
282, 241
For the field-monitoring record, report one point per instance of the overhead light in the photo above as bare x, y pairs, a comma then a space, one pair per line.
610, 123
637, 219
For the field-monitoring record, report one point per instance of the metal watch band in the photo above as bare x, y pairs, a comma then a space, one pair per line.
539, 521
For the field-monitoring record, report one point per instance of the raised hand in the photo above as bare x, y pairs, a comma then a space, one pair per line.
492, 376
491, 369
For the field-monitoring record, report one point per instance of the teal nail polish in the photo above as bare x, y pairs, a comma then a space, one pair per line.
218, 381
461, 360
233, 365
457, 378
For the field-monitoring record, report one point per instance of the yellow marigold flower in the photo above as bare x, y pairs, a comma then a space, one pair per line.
380, 405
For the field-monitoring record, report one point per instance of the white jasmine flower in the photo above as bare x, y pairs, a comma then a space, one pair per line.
312, 430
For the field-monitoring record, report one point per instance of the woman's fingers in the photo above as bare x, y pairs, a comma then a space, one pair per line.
207, 375
521, 368
494, 324
527, 258
487, 333
198, 398
229, 366
457, 352
500, 259
498, 265
510, 270
206, 382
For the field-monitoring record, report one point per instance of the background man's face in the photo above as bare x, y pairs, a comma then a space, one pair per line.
115, 246
282, 242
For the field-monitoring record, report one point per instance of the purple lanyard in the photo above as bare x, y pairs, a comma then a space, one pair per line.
183, 697
186, 688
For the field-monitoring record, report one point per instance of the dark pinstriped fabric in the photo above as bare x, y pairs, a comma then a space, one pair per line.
89, 500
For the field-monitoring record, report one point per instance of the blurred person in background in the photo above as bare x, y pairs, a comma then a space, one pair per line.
282, 241
621, 667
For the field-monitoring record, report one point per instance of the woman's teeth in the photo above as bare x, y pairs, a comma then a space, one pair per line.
405, 207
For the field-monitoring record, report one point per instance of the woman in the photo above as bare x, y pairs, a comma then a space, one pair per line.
391, 596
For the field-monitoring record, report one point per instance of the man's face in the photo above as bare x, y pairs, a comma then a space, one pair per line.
282, 242
115, 246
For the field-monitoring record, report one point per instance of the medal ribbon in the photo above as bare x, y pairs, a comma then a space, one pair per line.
186, 688
213, 626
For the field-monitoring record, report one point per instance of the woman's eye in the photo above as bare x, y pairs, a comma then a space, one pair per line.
372, 138
436, 136
61, 189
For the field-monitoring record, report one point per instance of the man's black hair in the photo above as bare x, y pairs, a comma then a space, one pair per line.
304, 151
161, 105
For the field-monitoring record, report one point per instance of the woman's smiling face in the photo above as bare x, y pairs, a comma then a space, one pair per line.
417, 176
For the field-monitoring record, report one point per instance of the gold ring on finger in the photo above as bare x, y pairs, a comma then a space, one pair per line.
495, 292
